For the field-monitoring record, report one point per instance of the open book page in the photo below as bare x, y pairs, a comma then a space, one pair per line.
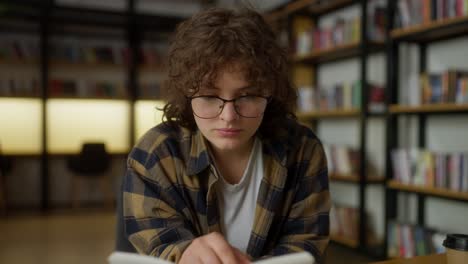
296, 258
132, 258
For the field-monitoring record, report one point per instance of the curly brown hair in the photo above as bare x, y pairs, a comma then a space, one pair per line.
217, 38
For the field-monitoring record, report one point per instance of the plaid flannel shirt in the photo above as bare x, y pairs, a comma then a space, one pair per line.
169, 197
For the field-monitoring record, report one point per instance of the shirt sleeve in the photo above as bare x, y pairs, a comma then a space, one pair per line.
154, 219
307, 225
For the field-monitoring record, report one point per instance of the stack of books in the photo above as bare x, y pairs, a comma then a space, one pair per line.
71, 50
344, 222
18, 48
342, 160
309, 38
150, 90
450, 86
426, 168
341, 96
19, 87
406, 241
152, 55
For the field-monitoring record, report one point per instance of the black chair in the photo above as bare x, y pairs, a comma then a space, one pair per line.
121, 240
5, 168
91, 163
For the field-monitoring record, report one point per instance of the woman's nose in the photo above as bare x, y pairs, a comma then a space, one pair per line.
229, 112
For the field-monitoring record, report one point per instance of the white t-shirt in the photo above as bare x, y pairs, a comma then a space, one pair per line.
237, 202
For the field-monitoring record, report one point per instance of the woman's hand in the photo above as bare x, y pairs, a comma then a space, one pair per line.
212, 249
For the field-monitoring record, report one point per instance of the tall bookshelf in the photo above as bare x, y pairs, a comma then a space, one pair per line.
430, 30
361, 49
53, 20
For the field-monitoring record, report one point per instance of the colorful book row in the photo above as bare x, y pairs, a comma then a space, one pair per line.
406, 241
417, 12
340, 97
431, 168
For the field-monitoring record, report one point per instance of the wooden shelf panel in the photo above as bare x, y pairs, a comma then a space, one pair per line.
88, 98
355, 178
149, 98
308, 7
86, 65
329, 114
339, 52
435, 30
344, 241
297, 6
438, 258
66, 154
274, 16
439, 192
68, 15
93, 66
9, 62
20, 96
324, 7
21, 155
428, 108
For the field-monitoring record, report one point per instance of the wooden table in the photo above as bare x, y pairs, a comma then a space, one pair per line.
430, 259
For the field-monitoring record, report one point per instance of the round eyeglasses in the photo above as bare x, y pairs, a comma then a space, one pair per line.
210, 106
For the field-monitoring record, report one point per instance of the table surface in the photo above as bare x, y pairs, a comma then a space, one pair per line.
430, 259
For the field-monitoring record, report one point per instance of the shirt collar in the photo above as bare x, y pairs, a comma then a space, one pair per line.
199, 158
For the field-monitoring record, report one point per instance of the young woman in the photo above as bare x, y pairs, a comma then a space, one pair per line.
230, 176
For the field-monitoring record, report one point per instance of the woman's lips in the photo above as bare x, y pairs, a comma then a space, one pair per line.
228, 132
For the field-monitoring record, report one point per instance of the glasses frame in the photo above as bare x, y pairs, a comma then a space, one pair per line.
268, 98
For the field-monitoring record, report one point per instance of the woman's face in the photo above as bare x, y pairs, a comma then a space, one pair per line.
229, 132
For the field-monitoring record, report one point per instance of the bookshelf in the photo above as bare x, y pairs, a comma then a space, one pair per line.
339, 52
48, 21
89, 98
84, 66
355, 178
322, 7
297, 6
329, 114
443, 108
432, 191
430, 29
358, 45
18, 62
308, 7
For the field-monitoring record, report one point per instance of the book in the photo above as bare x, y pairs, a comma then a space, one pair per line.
134, 258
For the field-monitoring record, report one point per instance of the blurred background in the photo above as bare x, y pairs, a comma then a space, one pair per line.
381, 82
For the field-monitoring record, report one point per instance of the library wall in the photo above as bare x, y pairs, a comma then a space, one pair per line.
81, 74
444, 132
346, 131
